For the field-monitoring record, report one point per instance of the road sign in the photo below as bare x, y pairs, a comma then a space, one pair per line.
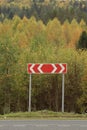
47, 68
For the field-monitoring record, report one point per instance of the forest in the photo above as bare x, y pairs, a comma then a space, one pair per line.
44, 10
28, 40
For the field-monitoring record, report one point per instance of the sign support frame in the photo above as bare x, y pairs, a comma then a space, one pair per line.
40, 71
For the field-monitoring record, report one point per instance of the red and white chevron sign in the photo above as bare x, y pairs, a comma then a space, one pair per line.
47, 68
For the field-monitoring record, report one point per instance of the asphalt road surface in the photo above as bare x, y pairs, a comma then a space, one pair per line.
43, 125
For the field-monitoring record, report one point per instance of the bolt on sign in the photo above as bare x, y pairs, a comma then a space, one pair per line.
47, 68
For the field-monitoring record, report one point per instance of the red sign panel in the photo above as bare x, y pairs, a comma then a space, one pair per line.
47, 68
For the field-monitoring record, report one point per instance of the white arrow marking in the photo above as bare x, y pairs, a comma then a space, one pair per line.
31, 68
62, 68
55, 68
39, 68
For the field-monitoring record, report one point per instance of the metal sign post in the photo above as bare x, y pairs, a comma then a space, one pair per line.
62, 92
29, 107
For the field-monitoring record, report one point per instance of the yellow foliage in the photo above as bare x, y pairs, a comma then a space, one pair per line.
75, 31
53, 30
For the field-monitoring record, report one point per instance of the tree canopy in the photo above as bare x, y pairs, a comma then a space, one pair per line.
44, 9
82, 44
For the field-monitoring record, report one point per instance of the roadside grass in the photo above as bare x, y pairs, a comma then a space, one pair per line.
44, 114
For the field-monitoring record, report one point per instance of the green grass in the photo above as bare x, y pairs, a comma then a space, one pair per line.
45, 114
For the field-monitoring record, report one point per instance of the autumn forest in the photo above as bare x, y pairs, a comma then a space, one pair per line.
26, 40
